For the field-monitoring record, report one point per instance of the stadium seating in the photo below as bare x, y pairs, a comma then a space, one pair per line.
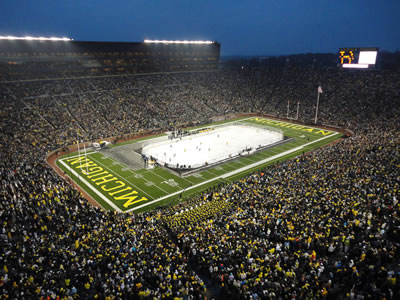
325, 225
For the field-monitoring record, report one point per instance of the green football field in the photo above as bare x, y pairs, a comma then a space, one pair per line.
116, 186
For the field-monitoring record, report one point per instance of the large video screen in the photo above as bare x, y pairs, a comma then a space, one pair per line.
358, 58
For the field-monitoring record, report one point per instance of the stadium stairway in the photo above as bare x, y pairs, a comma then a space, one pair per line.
213, 290
37, 113
71, 115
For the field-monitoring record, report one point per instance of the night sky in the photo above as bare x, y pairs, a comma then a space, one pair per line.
243, 27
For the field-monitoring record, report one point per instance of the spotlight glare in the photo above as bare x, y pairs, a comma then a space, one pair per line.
176, 42
31, 38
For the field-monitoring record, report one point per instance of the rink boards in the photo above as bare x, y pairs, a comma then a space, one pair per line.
211, 147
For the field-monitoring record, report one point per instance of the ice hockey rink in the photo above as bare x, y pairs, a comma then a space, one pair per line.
212, 146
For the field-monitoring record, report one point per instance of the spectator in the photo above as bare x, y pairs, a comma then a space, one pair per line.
325, 225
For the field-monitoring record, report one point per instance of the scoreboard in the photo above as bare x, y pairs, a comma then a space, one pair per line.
358, 58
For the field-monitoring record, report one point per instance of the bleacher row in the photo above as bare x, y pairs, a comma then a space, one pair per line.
325, 225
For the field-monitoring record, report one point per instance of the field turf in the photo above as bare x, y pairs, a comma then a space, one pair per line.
116, 186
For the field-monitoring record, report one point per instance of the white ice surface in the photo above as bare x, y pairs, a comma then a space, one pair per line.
210, 147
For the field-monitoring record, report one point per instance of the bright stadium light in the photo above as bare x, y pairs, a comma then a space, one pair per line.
355, 66
31, 38
176, 42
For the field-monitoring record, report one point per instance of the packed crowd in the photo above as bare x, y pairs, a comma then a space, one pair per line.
325, 225
56, 245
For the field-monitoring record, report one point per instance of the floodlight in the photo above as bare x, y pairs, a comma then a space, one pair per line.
176, 42
31, 38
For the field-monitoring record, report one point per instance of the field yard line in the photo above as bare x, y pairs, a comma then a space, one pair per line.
237, 171
157, 186
183, 178
245, 158
133, 172
188, 180
111, 171
152, 172
209, 172
237, 161
96, 191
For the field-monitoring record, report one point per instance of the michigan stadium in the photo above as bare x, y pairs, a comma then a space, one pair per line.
160, 169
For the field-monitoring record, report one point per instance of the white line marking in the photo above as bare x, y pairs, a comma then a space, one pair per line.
96, 191
187, 179
244, 158
237, 171
157, 187
142, 177
152, 172
111, 171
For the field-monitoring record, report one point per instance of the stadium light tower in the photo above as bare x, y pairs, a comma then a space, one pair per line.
176, 42
32, 38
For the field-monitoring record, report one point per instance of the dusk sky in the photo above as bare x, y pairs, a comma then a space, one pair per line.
252, 27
